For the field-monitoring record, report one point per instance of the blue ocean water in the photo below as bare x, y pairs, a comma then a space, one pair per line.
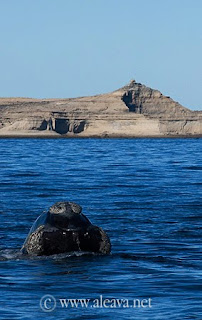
146, 193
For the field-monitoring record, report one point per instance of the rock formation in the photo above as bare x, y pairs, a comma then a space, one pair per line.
65, 229
132, 111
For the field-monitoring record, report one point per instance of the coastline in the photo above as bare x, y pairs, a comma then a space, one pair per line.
133, 111
56, 136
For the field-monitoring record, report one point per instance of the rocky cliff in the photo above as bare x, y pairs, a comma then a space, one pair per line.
132, 111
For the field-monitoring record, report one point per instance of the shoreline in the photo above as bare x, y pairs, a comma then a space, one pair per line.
132, 111
38, 136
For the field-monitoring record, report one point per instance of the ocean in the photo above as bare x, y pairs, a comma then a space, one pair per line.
145, 193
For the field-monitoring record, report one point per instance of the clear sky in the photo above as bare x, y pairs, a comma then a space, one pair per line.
69, 48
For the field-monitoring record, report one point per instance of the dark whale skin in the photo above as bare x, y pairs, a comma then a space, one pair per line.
65, 229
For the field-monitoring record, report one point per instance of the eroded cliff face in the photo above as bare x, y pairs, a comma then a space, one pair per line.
141, 99
133, 110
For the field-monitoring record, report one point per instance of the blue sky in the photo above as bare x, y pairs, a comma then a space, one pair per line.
69, 48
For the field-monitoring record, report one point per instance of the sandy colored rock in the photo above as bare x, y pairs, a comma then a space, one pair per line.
131, 111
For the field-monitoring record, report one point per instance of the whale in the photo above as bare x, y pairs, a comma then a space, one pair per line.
64, 228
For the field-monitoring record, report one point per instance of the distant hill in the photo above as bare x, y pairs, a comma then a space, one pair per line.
131, 111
